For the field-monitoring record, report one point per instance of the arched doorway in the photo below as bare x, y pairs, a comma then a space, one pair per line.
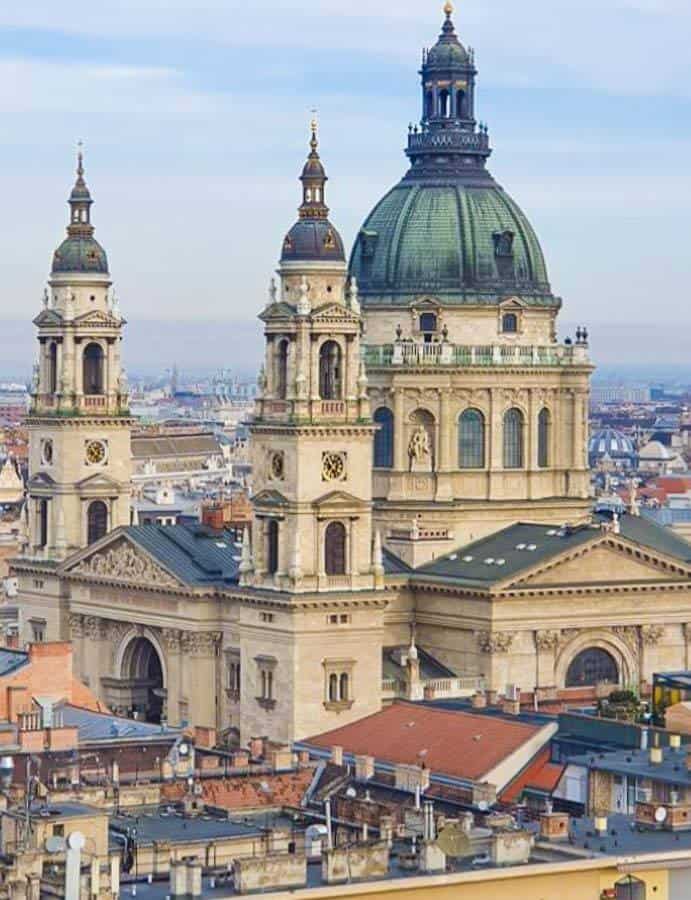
591, 667
142, 668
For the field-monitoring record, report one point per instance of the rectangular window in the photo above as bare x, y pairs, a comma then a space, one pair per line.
38, 631
266, 617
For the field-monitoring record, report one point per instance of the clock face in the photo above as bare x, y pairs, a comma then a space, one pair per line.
333, 467
95, 452
277, 466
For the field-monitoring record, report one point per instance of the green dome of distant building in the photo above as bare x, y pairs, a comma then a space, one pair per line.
80, 252
448, 229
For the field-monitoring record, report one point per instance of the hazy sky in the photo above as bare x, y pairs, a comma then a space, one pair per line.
194, 114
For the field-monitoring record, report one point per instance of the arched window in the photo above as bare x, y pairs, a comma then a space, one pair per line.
509, 323
383, 439
471, 440
282, 370
333, 687
272, 547
513, 439
429, 104
444, 104
428, 323
53, 368
93, 369
42, 523
330, 371
460, 105
592, 666
97, 521
335, 549
344, 686
543, 433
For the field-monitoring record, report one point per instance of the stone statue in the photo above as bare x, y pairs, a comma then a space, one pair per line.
419, 447
272, 291
46, 298
35, 378
354, 294
304, 305
634, 505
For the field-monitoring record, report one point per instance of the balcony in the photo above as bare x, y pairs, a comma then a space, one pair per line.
418, 355
435, 688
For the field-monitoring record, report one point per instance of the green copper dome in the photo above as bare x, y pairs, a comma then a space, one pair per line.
80, 254
448, 229
463, 243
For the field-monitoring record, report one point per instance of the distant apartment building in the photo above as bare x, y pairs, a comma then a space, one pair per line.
612, 393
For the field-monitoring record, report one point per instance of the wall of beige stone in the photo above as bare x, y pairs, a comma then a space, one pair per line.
466, 325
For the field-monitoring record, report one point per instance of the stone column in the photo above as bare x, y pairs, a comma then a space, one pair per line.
76, 635
171, 641
546, 643
495, 440
445, 432
399, 447
202, 663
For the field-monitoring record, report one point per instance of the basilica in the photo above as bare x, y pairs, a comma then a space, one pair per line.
421, 524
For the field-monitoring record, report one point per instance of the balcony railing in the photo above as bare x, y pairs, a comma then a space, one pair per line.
436, 688
412, 354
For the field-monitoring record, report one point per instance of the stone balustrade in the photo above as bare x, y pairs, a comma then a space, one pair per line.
414, 354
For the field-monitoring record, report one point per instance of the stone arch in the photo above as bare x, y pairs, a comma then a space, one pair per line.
601, 639
140, 669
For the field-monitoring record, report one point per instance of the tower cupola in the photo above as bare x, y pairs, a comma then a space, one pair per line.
313, 238
80, 252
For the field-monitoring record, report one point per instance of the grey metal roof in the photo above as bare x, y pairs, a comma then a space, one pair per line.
636, 763
11, 660
94, 726
196, 554
394, 565
622, 839
522, 546
471, 564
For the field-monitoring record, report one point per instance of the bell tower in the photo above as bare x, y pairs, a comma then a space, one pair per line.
313, 435
79, 425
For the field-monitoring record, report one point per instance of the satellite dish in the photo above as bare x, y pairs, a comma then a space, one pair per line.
76, 841
483, 806
55, 844
660, 814
351, 792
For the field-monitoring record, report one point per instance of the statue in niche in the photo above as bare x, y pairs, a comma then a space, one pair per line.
419, 450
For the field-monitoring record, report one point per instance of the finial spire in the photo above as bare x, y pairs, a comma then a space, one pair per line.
314, 127
448, 9
80, 159
313, 178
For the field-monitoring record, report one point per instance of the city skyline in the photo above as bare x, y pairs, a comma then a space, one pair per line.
195, 146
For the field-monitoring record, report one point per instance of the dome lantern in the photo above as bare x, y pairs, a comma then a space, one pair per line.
313, 238
80, 252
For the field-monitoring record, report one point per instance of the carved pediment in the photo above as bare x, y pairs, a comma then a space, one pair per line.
269, 498
336, 500
280, 310
123, 561
512, 303
40, 480
97, 317
604, 562
98, 482
425, 304
48, 317
330, 311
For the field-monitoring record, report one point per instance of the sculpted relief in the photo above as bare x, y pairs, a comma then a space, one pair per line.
124, 563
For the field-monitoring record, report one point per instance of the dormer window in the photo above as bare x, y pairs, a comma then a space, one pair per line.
509, 323
428, 326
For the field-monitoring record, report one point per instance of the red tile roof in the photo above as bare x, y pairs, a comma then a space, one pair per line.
540, 774
448, 742
247, 792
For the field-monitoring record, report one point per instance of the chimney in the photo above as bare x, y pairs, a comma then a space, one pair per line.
655, 756
364, 768
194, 877
674, 741
479, 700
600, 824
337, 756
212, 517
